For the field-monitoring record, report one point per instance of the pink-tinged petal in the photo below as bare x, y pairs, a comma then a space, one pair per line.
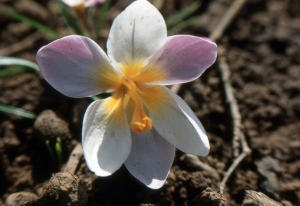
184, 58
106, 136
136, 34
77, 67
89, 3
175, 121
150, 159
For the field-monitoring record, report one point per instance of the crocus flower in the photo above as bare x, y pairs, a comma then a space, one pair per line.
143, 121
84, 3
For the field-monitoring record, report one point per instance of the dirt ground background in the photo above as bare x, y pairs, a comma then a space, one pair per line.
262, 51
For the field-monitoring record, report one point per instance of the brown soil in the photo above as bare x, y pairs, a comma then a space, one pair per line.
262, 50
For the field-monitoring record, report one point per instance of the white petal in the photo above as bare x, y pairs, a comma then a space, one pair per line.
73, 3
175, 121
136, 33
150, 159
106, 136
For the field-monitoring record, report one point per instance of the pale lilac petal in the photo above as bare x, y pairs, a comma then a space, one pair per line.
184, 58
106, 136
77, 67
90, 3
175, 121
150, 158
136, 34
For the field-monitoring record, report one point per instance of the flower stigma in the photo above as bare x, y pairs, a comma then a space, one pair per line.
140, 121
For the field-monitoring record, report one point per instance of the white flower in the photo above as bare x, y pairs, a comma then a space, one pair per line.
142, 122
86, 3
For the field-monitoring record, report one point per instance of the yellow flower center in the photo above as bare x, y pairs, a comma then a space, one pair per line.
140, 122
132, 89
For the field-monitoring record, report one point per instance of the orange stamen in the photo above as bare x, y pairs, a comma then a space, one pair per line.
140, 122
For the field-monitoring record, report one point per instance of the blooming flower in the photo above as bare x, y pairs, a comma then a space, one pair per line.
84, 3
143, 121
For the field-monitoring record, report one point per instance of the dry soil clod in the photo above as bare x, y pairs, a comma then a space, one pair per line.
64, 189
21, 199
49, 126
